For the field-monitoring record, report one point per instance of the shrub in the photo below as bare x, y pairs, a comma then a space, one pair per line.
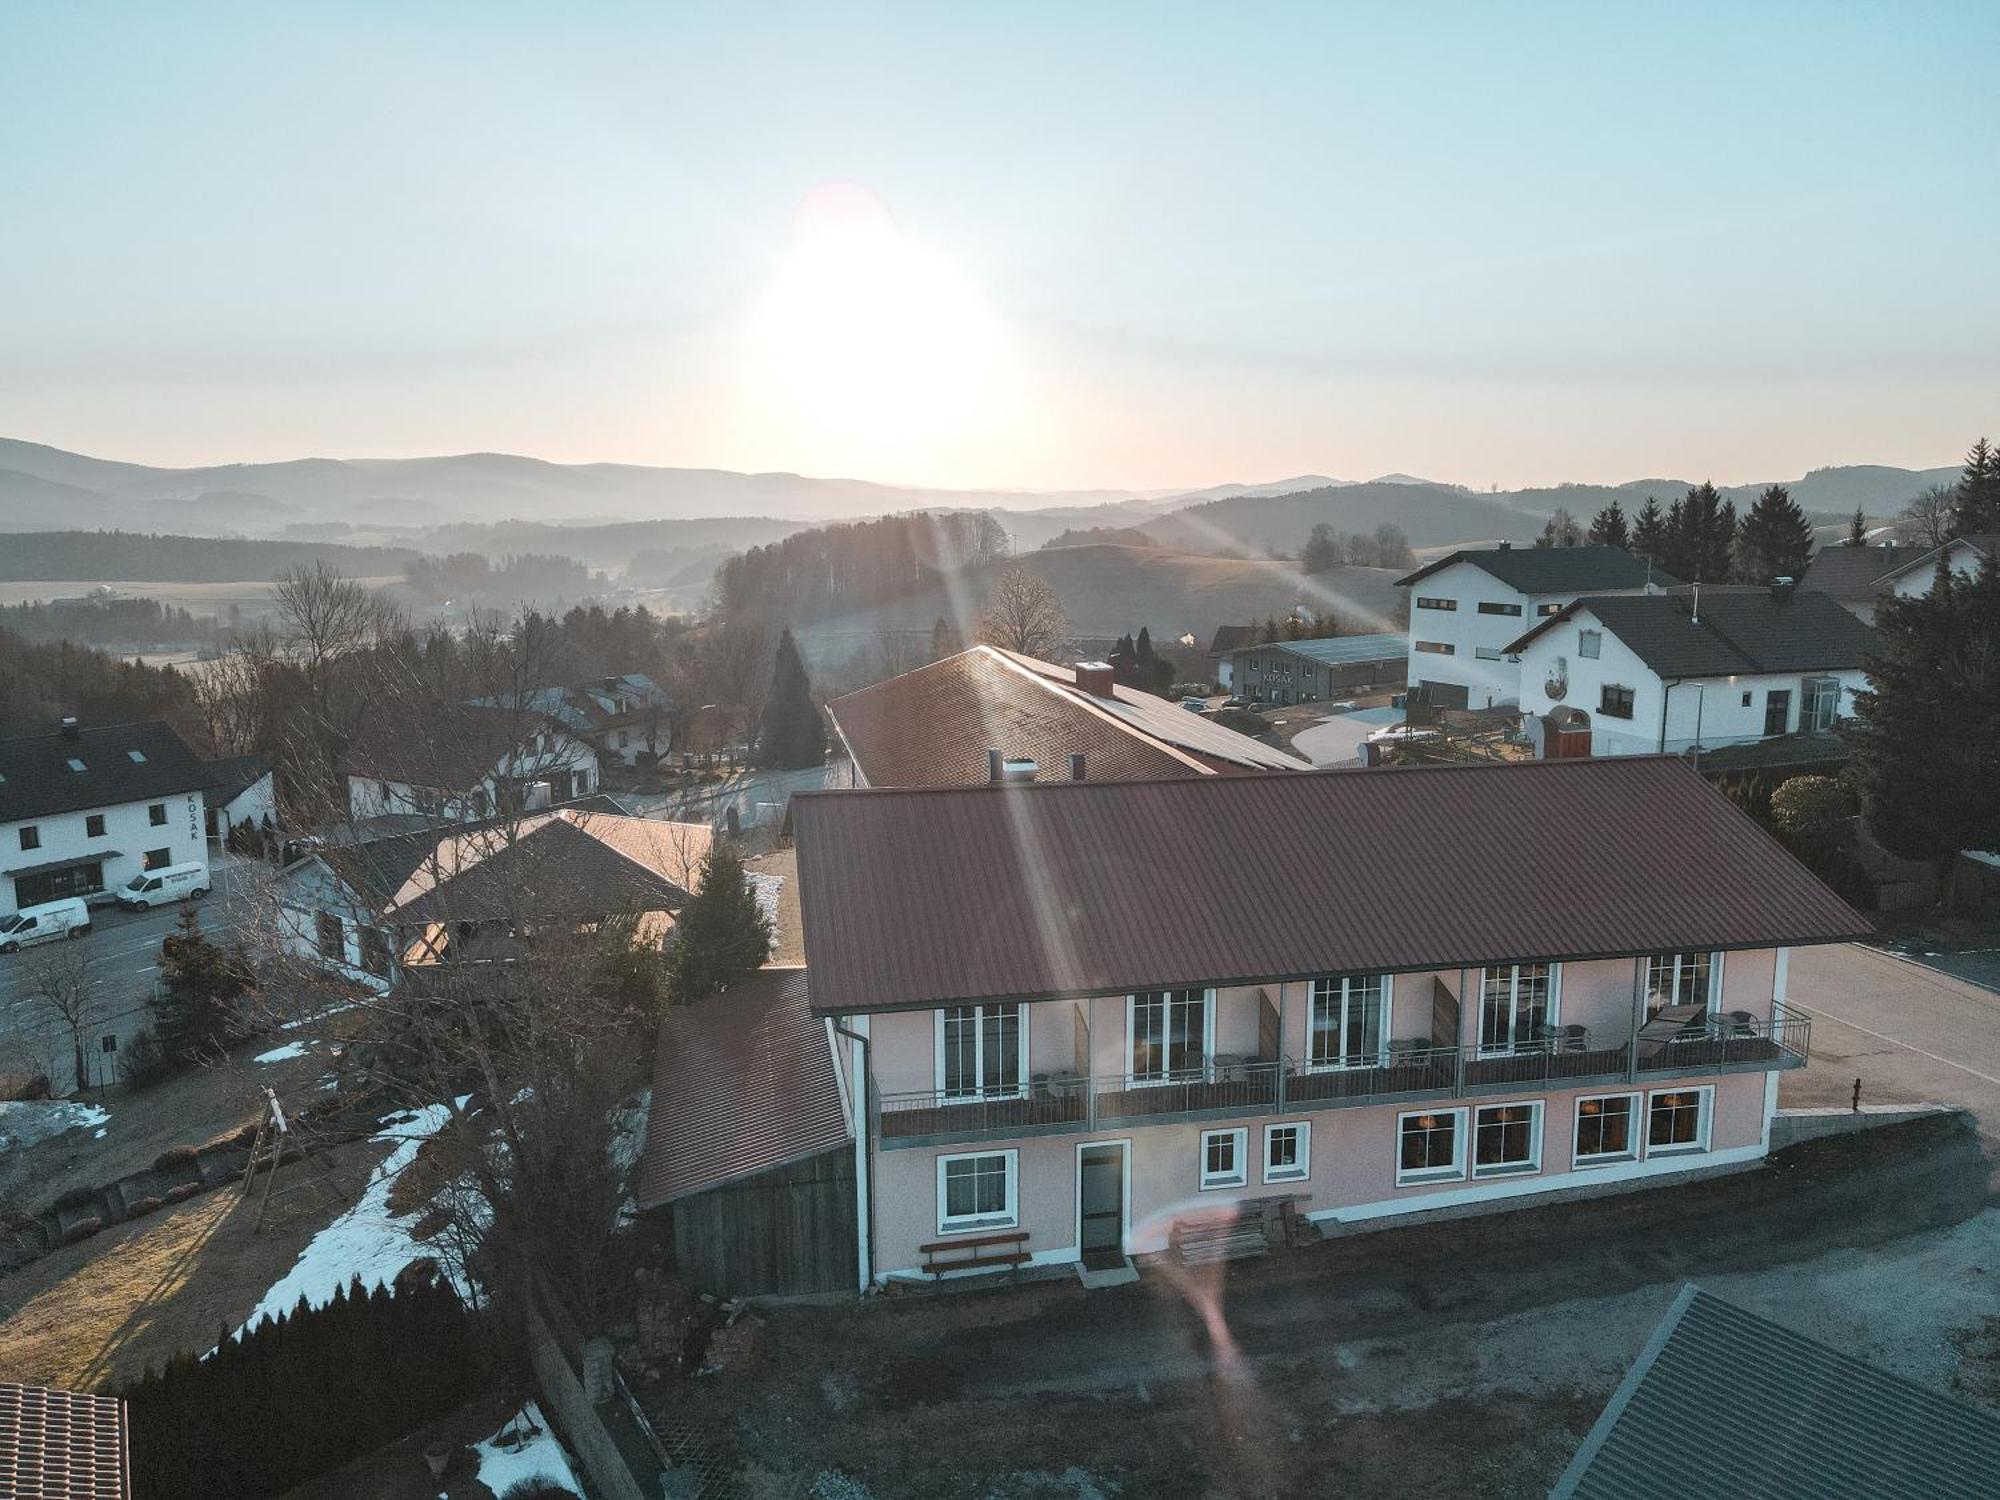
144, 1062
25, 1086
81, 1197
174, 1156
138, 1208
1811, 809
15, 1220
82, 1229
537, 1489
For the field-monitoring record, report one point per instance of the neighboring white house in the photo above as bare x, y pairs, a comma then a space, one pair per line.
244, 791
620, 717
1644, 673
1963, 555
1467, 607
463, 764
84, 810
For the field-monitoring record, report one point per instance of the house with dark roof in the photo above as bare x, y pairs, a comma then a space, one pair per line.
1856, 577
986, 713
1963, 555
1084, 1020
1714, 668
243, 792
63, 1445
1310, 670
1228, 638
85, 809
1776, 1415
620, 717
463, 763
371, 911
1466, 607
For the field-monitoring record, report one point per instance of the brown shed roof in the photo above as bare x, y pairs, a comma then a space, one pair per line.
742, 1082
60, 1445
910, 898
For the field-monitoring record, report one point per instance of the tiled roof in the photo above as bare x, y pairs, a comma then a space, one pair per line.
742, 1082
233, 776
933, 726
37, 779
911, 898
1982, 543
1738, 630
452, 747
1722, 1404
1854, 575
59, 1445
1551, 570
1341, 650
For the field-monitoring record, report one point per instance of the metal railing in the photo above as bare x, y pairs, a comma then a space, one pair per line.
1734, 1039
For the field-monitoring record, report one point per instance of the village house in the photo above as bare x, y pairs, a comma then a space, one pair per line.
1071, 1020
620, 717
1854, 576
1311, 670
85, 809
1709, 668
1466, 607
1962, 555
371, 911
462, 764
1222, 644
942, 724
242, 794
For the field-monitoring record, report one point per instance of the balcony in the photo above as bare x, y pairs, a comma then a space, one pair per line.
1673, 1045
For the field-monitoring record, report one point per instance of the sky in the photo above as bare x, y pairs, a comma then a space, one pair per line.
1051, 247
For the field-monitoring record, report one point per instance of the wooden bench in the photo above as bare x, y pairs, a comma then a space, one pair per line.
987, 1252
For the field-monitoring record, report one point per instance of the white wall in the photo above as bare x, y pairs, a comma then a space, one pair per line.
128, 829
252, 805
370, 796
1961, 559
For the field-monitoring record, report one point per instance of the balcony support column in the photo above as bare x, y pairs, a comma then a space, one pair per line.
1467, 1014
1638, 1010
1278, 1061
1089, 1064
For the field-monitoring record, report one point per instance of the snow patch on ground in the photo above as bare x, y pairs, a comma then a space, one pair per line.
765, 888
283, 1054
23, 1122
504, 1461
366, 1241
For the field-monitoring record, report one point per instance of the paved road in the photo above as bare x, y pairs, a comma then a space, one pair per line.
124, 952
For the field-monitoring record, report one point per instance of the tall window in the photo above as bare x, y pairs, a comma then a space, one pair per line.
1677, 1120
1427, 1146
327, 933
375, 951
1506, 1138
93, 826
1678, 979
979, 1051
1590, 644
1169, 1035
977, 1192
1604, 1129
1514, 1006
1349, 1020
1777, 711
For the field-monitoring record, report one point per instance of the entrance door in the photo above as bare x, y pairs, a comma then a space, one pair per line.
1102, 1232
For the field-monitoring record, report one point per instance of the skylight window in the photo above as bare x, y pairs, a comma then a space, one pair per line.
138, 757
77, 765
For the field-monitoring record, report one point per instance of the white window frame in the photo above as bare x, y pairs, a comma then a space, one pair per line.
1551, 1016
1420, 1176
1300, 1172
1705, 1126
1342, 1002
1489, 653
1537, 1114
945, 1096
1713, 1000
1590, 644
1635, 1145
969, 1223
1239, 1137
1132, 1078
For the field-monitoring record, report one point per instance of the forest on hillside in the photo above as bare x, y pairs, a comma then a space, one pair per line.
137, 555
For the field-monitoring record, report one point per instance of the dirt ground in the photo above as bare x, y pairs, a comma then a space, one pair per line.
1454, 1359
399, 1472
98, 1313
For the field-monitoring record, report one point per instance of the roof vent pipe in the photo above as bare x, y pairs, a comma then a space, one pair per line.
69, 728
993, 765
1076, 767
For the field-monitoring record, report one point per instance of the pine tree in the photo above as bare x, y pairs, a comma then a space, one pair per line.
1607, 527
200, 985
1775, 539
722, 933
1975, 501
1925, 727
1153, 673
792, 736
1649, 533
1701, 533
1857, 528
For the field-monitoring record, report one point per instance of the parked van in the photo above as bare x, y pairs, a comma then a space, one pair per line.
44, 924
168, 883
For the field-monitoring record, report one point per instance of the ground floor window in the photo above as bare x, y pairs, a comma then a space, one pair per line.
1506, 1139
1430, 1146
978, 1192
1287, 1153
327, 933
1222, 1158
1677, 1120
56, 885
1604, 1129
159, 859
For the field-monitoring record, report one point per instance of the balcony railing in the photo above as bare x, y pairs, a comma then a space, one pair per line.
1068, 1102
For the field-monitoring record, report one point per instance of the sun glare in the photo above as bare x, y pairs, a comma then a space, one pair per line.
869, 338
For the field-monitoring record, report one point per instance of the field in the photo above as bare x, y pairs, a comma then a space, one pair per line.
251, 595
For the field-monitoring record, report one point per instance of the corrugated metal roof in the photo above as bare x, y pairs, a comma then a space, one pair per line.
742, 1082
1339, 650
1724, 1404
1551, 570
917, 897
61, 1445
1735, 630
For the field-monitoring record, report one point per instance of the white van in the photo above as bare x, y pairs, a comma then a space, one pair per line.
44, 924
168, 883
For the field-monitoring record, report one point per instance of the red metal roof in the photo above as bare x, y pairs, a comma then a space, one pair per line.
60, 1445
914, 897
742, 1082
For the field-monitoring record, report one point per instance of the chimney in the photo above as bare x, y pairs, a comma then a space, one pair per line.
1506, 546
993, 765
1781, 590
1076, 767
69, 728
1095, 678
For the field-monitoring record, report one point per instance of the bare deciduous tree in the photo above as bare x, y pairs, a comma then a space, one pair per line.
1023, 614
1927, 520
63, 983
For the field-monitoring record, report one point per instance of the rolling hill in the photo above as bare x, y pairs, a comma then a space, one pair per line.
1258, 524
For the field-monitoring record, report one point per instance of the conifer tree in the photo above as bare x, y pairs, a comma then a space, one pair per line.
722, 933
1608, 529
1857, 528
1975, 500
200, 985
1775, 539
792, 736
1649, 533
